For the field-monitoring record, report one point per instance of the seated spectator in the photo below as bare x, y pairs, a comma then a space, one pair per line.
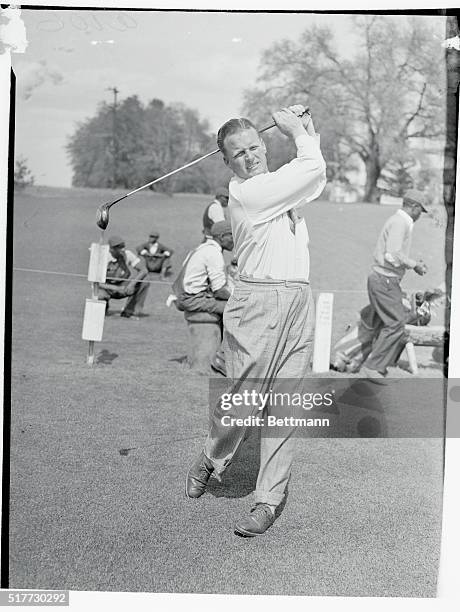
157, 257
202, 283
124, 271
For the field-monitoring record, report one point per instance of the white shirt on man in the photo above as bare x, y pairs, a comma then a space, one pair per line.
205, 267
271, 239
391, 255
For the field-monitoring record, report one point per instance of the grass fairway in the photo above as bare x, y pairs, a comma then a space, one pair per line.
362, 515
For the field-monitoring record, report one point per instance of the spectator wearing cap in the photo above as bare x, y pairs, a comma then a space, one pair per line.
124, 271
156, 255
157, 258
216, 210
386, 313
201, 285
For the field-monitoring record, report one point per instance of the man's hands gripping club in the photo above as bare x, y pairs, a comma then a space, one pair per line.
294, 121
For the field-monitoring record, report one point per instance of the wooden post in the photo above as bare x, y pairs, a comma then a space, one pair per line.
94, 292
411, 358
93, 322
323, 333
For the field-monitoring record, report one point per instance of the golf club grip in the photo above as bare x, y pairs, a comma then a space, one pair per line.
272, 123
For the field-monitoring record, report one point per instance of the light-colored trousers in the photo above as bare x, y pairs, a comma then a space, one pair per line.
268, 335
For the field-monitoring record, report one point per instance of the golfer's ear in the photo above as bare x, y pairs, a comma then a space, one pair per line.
226, 162
264, 147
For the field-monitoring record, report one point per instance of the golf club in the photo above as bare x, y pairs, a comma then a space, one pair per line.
102, 214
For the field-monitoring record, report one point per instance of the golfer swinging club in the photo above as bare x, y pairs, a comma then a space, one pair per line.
269, 319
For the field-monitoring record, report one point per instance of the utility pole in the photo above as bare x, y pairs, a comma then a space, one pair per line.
115, 92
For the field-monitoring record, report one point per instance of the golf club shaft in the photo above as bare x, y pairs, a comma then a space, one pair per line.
102, 218
192, 163
165, 176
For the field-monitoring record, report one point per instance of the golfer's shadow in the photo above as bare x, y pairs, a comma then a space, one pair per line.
239, 479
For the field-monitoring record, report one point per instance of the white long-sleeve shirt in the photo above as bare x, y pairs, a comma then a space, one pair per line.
270, 241
205, 267
391, 255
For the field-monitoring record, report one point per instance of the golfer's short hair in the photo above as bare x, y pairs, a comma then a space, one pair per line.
231, 127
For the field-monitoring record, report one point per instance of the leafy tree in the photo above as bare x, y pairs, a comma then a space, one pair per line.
90, 151
132, 144
369, 106
22, 175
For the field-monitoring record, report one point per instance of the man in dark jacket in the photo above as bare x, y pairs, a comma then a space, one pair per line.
157, 257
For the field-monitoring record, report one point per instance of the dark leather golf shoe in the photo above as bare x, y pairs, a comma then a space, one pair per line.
198, 476
256, 522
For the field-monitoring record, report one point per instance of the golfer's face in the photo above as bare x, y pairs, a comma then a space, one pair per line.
245, 153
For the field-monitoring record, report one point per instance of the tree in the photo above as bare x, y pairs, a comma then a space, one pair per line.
134, 144
389, 93
89, 150
22, 175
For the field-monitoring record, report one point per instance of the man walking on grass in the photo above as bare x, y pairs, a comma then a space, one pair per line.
386, 313
269, 319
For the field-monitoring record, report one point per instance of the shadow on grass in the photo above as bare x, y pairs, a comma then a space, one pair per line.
106, 357
181, 359
432, 365
239, 480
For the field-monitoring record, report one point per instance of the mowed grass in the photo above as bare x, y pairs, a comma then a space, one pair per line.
362, 516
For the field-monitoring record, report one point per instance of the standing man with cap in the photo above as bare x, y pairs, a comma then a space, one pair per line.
386, 313
269, 320
215, 211
121, 278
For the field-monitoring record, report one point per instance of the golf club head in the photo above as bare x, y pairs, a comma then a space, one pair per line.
102, 216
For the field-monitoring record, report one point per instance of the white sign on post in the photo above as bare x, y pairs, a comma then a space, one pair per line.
323, 333
98, 260
93, 320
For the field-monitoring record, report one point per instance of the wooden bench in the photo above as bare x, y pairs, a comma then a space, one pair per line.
423, 335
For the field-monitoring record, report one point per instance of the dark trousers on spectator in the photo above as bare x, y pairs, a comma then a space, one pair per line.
386, 314
117, 293
201, 302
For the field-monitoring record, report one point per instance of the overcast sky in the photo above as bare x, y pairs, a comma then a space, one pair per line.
205, 60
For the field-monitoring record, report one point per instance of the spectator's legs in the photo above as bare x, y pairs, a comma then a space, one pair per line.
135, 302
166, 268
107, 294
